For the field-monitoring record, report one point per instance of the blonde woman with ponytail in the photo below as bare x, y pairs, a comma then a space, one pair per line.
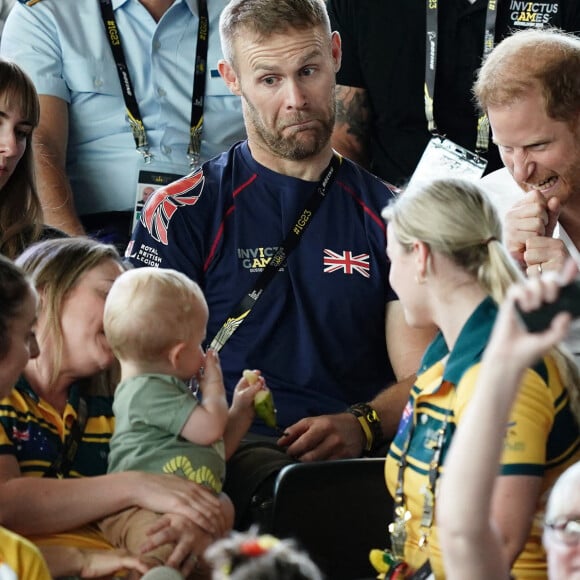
449, 268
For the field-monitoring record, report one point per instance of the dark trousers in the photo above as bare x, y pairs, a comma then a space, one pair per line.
250, 477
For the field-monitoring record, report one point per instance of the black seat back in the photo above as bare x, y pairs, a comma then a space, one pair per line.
337, 511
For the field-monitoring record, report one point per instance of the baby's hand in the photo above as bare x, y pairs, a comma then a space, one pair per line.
212, 380
248, 386
99, 563
263, 402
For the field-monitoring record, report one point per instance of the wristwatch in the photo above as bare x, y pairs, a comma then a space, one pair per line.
370, 424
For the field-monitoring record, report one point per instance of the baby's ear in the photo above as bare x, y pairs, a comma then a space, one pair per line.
175, 353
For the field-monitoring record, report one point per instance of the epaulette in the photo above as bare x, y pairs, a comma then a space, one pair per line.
29, 2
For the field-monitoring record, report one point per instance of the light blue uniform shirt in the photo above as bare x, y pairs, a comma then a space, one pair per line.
62, 45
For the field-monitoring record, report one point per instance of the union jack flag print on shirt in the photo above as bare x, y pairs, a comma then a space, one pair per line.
346, 262
317, 332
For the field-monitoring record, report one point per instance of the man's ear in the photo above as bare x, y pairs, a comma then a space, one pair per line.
336, 49
230, 77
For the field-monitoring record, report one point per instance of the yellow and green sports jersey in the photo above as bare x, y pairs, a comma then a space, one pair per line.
20, 559
33, 432
541, 440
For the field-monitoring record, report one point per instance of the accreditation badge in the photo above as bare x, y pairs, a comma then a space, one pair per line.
442, 159
149, 182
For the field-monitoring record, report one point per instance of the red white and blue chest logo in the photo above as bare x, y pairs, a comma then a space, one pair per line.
160, 208
346, 262
20, 435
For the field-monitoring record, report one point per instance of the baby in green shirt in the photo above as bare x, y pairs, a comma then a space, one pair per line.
155, 322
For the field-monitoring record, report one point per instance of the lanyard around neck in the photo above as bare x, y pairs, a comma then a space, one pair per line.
131, 105
278, 260
61, 465
428, 512
431, 65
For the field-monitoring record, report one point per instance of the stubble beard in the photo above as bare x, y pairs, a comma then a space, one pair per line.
298, 145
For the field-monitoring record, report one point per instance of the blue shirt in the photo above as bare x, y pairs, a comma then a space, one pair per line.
318, 331
62, 45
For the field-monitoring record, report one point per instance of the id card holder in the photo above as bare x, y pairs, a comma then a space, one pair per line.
148, 183
442, 159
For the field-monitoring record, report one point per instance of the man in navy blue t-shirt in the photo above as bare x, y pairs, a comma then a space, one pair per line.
317, 331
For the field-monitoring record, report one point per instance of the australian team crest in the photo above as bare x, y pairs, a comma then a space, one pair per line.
163, 204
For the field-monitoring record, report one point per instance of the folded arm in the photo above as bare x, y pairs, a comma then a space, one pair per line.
50, 148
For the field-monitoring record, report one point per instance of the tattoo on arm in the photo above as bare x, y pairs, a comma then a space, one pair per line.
352, 108
352, 120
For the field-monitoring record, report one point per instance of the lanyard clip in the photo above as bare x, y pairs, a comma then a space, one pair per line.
147, 156
194, 149
193, 161
140, 137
